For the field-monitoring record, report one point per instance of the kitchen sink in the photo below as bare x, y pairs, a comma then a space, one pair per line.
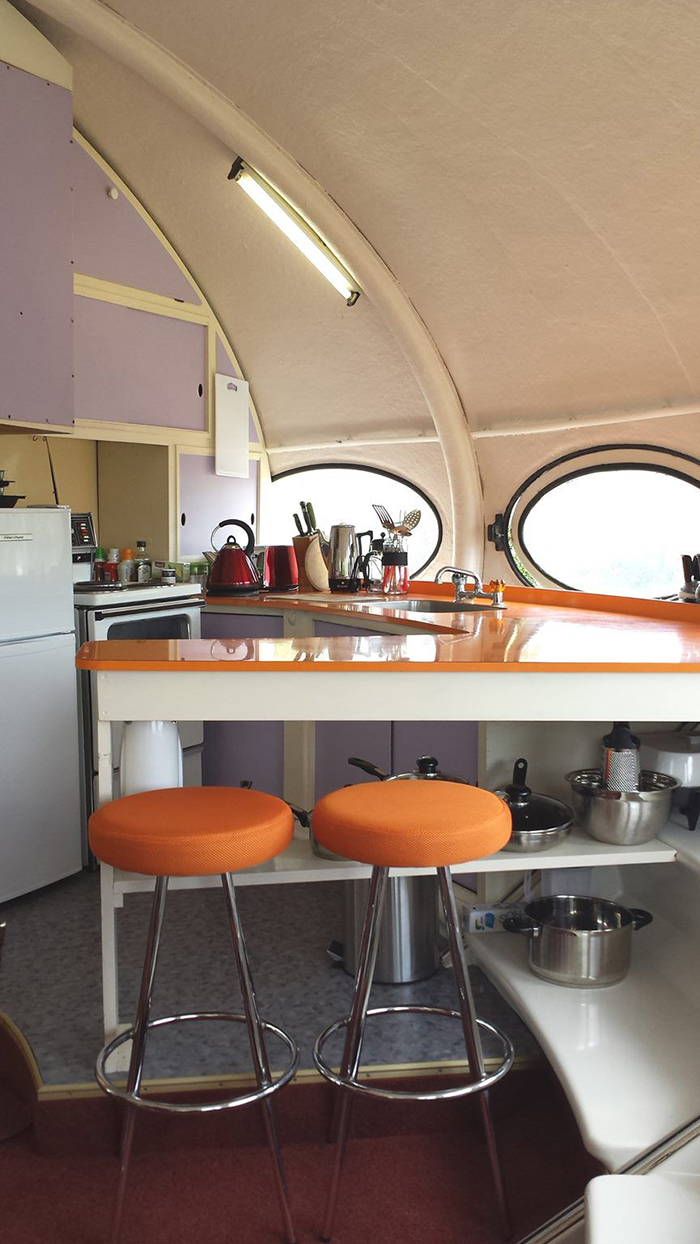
413, 605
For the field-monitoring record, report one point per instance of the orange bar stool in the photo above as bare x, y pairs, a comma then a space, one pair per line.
411, 825
193, 831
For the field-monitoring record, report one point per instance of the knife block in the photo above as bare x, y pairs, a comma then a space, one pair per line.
301, 544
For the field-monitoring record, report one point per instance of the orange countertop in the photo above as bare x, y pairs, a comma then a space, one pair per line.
538, 632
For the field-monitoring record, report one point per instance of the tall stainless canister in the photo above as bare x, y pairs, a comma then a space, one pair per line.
409, 943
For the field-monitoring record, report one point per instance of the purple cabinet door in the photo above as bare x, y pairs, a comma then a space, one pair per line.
238, 751
113, 242
136, 367
206, 499
36, 334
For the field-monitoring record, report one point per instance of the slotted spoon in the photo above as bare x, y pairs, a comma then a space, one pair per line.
410, 521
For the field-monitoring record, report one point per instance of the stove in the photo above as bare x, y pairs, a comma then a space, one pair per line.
132, 611
108, 595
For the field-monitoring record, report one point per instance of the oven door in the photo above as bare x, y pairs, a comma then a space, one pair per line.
143, 621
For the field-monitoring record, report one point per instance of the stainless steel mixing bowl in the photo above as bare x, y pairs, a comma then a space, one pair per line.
623, 818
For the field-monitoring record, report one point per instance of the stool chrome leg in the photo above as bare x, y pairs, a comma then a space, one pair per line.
258, 1049
366, 961
138, 1046
471, 1037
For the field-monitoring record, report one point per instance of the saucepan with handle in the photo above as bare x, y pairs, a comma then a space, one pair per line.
578, 941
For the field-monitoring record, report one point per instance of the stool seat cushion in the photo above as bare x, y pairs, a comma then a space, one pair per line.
191, 830
429, 824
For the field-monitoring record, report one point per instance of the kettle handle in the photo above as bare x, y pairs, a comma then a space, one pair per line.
235, 522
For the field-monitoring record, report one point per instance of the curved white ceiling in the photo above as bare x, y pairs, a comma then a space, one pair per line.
528, 171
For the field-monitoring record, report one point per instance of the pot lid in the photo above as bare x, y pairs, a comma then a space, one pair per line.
529, 810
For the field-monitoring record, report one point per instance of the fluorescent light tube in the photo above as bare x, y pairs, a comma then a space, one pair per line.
295, 228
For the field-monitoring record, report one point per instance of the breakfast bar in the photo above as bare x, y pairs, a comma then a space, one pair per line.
544, 658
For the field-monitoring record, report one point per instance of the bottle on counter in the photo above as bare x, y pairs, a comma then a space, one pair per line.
143, 563
395, 566
111, 566
98, 566
127, 566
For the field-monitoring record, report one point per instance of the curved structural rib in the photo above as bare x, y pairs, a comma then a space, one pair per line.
220, 116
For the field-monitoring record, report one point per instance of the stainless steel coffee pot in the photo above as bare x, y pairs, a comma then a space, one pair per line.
342, 558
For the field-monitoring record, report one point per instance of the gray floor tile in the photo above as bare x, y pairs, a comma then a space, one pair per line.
50, 980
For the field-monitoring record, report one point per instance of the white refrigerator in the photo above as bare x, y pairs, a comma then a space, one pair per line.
39, 773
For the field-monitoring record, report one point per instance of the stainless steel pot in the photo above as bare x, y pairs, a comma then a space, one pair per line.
580, 942
427, 768
539, 822
624, 818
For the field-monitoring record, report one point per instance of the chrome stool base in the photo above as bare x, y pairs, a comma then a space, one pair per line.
354, 1024
458, 1090
256, 1027
208, 1107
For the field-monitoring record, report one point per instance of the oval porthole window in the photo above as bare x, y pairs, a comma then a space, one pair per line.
345, 494
612, 520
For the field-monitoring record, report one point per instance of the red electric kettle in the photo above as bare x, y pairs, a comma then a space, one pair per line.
281, 573
233, 572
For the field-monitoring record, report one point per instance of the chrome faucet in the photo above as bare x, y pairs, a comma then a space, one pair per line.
459, 578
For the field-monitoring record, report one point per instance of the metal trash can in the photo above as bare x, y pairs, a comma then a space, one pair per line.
409, 943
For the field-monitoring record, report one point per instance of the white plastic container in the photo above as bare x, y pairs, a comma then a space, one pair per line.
151, 756
673, 753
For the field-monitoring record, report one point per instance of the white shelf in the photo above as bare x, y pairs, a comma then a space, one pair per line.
627, 1055
298, 863
645, 1209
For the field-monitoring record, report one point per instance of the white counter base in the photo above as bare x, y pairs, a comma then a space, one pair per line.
645, 1209
627, 1055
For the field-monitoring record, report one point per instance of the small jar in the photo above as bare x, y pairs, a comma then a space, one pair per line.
127, 567
111, 566
143, 563
98, 566
168, 576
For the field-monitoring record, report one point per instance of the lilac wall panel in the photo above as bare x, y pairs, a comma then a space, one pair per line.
135, 367
206, 498
113, 242
225, 367
455, 743
336, 740
236, 751
36, 346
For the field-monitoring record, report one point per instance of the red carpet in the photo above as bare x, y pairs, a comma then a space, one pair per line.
415, 1173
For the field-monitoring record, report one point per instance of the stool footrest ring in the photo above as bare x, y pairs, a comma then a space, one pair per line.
460, 1090
169, 1107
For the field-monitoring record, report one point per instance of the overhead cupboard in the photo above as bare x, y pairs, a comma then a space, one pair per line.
111, 339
